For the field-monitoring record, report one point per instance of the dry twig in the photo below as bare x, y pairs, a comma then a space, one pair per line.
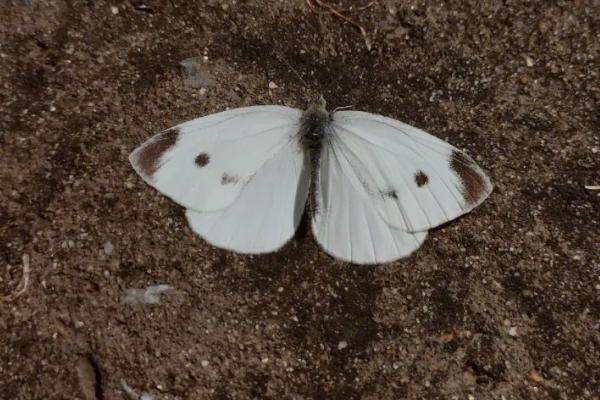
22, 286
593, 188
339, 14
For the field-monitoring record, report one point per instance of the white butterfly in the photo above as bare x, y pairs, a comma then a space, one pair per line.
378, 185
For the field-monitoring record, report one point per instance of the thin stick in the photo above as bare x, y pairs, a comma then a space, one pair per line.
361, 8
22, 286
338, 14
593, 188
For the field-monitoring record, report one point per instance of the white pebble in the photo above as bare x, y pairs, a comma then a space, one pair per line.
114, 10
151, 295
529, 61
108, 248
202, 91
204, 363
513, 331
342, 345
273, 85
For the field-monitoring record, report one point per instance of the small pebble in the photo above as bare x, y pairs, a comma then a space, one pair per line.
529, 61
204, 363
202, 91
342, 345
114, 10
108, 248
535, 377
513, 331
273, 85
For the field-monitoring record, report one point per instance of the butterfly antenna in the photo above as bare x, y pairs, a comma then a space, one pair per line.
293, 69
342, 108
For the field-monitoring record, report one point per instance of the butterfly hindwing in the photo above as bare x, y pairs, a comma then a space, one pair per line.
415, 180
346, 224
267, 211
203, 164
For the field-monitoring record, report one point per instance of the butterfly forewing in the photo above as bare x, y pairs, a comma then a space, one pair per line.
203, 164
414, 180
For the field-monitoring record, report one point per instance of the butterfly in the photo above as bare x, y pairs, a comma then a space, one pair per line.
374, 186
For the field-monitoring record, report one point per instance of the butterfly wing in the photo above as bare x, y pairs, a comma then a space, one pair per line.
267, 211
413, 179
204, 164
344, 221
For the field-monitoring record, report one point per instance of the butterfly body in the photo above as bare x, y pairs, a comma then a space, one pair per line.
374, 185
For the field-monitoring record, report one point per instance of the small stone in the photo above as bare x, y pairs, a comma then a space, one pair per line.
597, 286
265, 360
342, 345
79, 324
202, 91
273, 85
204, 363
513, 331
529, 61
534, 376
86, 375
108, 248
114, 10
470, 397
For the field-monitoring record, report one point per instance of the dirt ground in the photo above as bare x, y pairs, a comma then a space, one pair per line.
503, 303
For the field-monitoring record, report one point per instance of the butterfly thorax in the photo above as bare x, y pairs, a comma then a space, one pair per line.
312, 128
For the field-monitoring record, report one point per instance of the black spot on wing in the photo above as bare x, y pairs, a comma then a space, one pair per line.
227, 179
392, 194
202, 159
421, 178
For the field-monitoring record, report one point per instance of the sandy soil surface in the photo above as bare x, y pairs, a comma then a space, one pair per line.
501, 304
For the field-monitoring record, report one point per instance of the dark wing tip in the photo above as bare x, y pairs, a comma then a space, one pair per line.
146, 158
476, 185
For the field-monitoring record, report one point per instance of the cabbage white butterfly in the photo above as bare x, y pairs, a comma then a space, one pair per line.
374, 185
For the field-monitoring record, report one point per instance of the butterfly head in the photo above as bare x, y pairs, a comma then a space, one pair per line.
318, 106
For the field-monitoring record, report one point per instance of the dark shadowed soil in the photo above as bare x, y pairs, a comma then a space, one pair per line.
503, 303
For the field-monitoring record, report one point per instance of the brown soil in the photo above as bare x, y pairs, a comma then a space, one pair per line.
501, 304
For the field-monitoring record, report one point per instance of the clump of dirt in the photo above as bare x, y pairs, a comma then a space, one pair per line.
502, 303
